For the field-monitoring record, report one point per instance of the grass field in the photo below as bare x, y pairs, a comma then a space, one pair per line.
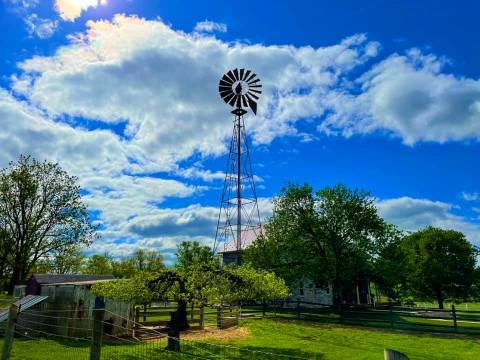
284, 336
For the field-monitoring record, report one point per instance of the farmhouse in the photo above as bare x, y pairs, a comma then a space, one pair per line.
69, 301
306, 289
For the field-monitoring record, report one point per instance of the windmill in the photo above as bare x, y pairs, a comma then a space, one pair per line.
239, 218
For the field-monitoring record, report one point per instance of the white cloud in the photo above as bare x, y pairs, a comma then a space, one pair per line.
467, 196
26, 4
43, 28
414, 214
409, 97
210, 26
72, 9
98, 157
164, 84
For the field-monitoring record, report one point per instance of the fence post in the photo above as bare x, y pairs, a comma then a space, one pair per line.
264, 308
390, 312
298, 309
340, 312
10, 332
173, 333
219, 317
454, 316
144, 312
202, 317
137, 314
97, 331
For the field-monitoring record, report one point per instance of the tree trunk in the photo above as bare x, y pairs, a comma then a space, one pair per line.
440, 299
14, 279
181, 316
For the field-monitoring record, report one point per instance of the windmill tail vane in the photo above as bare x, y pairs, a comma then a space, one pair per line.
239, 219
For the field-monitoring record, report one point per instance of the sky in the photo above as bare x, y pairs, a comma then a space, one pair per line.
378, 95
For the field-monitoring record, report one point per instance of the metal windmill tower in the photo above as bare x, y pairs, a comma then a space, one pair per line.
239, 218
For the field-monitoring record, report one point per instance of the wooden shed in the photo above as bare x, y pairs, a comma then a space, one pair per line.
69, 305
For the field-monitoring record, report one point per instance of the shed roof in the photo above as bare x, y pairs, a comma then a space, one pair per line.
23, 304
70, 279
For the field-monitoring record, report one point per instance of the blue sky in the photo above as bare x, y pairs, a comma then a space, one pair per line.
384, 96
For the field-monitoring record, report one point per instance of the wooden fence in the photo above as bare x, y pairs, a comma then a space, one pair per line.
157, 316
384, 316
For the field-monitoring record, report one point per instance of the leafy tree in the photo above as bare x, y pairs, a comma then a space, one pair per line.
147, 260
140, 261
390, 274
124, 269
439, 264
132, 290
98, 265
42, 212
328, 236
204, 284
69, 260
190, 253
6, 246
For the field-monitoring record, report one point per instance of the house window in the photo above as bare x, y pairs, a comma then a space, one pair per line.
301, 288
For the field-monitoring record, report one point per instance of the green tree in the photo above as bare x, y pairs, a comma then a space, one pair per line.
98, 265
390, 274
332, 235
140, 261
439, 264
191, 253
41, 211
69, 260
147, 260
204, 285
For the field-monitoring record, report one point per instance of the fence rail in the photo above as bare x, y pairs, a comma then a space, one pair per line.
385, 316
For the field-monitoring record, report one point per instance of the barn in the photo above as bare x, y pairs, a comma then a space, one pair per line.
68, 305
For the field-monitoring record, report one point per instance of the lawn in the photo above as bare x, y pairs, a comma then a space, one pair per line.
285, 336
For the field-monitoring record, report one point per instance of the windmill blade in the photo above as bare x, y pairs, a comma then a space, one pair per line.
227, 79
228, 97
225, 83
244, 100
235, 71
251, 77
224, 88
253, 105
225, 93
240, 100
234, 99
231, 76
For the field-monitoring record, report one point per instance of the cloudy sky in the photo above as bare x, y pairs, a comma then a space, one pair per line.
123, 94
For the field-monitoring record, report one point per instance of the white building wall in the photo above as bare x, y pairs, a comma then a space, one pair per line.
306, 291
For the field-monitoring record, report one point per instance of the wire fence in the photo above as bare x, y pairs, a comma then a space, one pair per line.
63, 335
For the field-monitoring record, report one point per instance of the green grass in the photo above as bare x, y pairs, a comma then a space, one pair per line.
284, 336
468, 306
